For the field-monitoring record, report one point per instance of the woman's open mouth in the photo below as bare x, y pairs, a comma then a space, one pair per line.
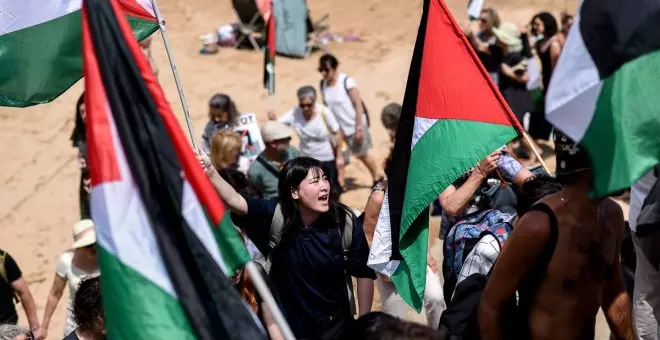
323, 198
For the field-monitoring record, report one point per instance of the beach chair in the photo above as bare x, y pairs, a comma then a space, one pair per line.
250, 21
314, 36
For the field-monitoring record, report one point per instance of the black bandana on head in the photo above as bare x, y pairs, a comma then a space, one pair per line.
571, 157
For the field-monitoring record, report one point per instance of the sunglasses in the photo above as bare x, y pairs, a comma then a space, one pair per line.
304, 106
483, 20
323, 69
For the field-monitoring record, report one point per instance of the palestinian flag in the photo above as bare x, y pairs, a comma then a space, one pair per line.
166, 243
603, 93
41, 45
269, 53
452, 117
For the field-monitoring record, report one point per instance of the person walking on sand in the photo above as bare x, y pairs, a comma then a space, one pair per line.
74, 266
340, 93
562, 258
14, 288
317, 129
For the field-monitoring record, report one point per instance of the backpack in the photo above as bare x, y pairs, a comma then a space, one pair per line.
277, 229
3, 274
364, 106
464, 235
459, 320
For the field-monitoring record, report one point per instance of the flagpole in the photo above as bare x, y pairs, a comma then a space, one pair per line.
532, 146
267, 297
177, 80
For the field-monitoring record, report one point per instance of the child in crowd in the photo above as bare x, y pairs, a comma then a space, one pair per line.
223, 115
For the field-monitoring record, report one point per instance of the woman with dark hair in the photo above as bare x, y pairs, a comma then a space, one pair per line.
79, 140
548, 47
223, 115
88, 311
309, 267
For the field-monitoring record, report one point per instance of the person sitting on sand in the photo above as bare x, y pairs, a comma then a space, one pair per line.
561, 261
223, 115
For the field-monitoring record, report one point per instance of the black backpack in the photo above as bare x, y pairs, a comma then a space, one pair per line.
364, 106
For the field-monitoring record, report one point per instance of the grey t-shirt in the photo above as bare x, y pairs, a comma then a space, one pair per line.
263, 178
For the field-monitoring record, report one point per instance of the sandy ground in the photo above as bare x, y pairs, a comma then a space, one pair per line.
39, 176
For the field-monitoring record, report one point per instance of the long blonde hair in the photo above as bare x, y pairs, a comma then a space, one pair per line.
225, 149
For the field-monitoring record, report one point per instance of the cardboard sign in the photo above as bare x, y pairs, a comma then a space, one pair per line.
253, 143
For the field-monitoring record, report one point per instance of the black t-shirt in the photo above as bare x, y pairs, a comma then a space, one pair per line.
307, 268
7, 308
493, 60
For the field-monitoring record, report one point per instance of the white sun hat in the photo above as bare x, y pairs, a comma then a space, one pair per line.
84, 234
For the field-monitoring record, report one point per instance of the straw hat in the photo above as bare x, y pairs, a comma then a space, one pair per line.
274, 130
509, 34
84, 234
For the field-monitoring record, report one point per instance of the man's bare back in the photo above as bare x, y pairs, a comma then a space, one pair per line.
585, 258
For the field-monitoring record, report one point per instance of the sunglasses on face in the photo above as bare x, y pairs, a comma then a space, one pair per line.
305, 106
323, 69
483, 20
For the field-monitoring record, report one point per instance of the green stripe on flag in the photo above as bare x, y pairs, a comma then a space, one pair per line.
446, 151
135, 307
231, 244
40, 62
622, 138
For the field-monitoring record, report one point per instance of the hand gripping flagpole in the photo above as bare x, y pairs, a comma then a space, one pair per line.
267, 297
177, 80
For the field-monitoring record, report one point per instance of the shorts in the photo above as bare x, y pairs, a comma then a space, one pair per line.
362, 147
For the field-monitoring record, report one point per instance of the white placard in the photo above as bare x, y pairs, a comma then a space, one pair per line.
248, 128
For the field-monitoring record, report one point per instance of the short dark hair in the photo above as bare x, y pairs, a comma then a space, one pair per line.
224, 102
329, 60
533, 190
87, 307
378, 325
549, 22
390, 115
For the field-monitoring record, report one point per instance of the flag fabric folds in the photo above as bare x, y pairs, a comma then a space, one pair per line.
269, 52
602, 93
40, 46
166, 244
452, 117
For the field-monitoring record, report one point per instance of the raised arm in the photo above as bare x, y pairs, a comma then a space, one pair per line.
453, 200
371, 212
233, 199
59, 283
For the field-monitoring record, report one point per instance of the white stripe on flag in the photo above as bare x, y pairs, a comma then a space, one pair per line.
420, 128
381, 246
574, 88
19, 14
123, 226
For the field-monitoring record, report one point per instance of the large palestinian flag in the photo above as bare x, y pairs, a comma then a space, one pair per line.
40, 46
452, 117
166, 243
603, 92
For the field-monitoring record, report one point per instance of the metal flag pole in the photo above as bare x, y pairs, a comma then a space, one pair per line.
177, 80
262, 288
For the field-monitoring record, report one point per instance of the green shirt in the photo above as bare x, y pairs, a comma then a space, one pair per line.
265, 179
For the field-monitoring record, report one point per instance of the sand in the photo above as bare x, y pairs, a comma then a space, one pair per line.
39, 177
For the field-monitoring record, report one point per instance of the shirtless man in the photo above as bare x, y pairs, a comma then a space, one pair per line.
565, 273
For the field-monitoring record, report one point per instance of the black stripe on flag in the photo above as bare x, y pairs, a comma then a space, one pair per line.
616, 31
214, 308
398, 168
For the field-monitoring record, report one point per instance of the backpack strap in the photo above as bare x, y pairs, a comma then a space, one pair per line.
275, 172
346, 240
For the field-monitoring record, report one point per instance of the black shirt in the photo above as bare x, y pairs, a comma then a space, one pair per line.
7, 309
492, 60
307, 268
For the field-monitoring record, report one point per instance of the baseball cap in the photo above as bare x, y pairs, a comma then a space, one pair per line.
84, 234
571, 157
274, 130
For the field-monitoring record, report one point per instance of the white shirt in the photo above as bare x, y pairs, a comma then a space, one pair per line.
73, 276
338, 100
315, 133
638, 194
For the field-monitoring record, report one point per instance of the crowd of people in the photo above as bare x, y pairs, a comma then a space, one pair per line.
552, 263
